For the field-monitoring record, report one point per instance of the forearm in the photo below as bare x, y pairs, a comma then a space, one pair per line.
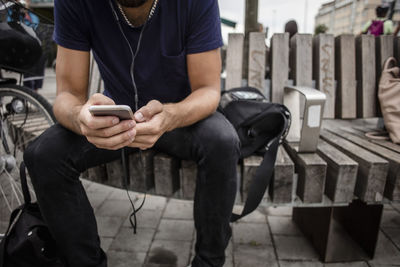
66, 109
198, 105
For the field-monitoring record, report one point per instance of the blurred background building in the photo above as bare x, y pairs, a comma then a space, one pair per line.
348, 16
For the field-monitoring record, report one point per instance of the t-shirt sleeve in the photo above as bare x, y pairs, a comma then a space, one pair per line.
70, 31
204, 31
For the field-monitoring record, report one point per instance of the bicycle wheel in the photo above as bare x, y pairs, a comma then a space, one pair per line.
24, 115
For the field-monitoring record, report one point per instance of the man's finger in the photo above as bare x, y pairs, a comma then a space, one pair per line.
112, 142
100, 99
121, 127
99, 122
147, 112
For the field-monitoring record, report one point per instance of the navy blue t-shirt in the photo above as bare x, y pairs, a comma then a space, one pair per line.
177, 28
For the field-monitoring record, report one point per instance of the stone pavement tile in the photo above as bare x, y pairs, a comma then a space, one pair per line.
152, 202
254, 256
127, 241
179, 209
386, 253
347, 264
279, 211
283, 226
178, 230
108, 226
393, 234
294, 248
390, 219
125, 259
105, 243
97, 198
300, 264
120, 194
119, 208
146, 218
168, 252
396, 206
251, 234
96, 187
86, 183
254, 217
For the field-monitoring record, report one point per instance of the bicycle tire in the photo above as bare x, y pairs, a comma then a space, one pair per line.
31, 95
37, 113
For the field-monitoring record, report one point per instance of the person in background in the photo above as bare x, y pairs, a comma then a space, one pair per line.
381, 25
291, 28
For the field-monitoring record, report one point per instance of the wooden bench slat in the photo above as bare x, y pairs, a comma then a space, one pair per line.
324, 70
234, 61
141, 171
279, 65
392, 187
282, 187
372, 170
257, 48
188, 177
166, 174
341, 173
366, 76
345, 74
311, 170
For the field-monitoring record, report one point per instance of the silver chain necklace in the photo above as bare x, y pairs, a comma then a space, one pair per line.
151, 13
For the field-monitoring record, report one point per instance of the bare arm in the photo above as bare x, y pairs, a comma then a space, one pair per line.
71, 107
72, 74
204, 74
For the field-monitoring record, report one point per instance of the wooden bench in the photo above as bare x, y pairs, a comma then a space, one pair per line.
339, 186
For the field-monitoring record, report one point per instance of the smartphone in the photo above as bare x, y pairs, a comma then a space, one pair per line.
123, 112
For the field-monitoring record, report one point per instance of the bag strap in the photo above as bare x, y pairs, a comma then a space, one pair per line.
260, 180
24, 184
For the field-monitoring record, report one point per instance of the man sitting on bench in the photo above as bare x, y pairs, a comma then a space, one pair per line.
165, 55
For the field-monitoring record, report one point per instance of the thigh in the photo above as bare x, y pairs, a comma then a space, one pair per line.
188, 143
58, 145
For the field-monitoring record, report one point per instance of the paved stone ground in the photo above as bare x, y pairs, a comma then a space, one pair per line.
268, 237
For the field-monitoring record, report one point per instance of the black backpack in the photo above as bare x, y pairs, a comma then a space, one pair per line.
28, 242
261, 127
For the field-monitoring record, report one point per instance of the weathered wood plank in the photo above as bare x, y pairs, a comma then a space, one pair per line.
301, 63
279, 65
95, 78
115, 174
234, 61
166, 174
301, 59
282, 183
188, 177
250, 165
396, 49
392, 186
324, 70
372, 170
341, 174
366, 76
141, 170
98, 174
256, 74
345, 74
384, 50
311, 170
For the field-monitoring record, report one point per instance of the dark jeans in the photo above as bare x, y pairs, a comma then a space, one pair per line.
56, 159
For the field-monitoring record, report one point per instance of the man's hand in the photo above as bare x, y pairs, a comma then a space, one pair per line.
153, 120
106, 132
